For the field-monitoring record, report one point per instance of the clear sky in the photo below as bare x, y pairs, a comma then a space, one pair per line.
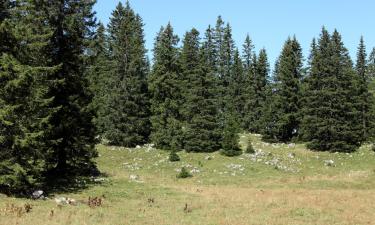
269, 22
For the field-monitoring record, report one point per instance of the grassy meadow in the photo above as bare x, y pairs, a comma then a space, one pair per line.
279, 184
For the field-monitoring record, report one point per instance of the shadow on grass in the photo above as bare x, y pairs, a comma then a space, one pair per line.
61, 183
74, 184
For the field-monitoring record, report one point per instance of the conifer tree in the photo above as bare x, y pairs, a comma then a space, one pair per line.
363, 92
200, 111
249, 59
282, 121
127, 119
26, 110
98, 74
371, 65
165, 87
230, 142
260, 84
73, 133
330, 112
237, 89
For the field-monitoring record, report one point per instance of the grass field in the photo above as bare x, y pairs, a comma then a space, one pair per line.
280, 184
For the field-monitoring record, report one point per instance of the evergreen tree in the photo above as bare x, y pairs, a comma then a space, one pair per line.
230, 143
98, 74
371, 66
165, 87
237, 90
249, 59
363, 92
282, 121
259, 86
26, 108
202, 128
330, 112
73, 131
127, 122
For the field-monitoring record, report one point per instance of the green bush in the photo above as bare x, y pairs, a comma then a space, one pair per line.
184, 173
250, 149
173, 157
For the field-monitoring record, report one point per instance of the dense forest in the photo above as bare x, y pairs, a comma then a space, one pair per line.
68, 82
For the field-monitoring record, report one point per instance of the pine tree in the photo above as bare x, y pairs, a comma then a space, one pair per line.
371, 66
282, 121
330, 110
127, 122
25, 105
230, 143
98, 74
200, 111
363, 92
165, 87
237, 88
248, 92
259, 86
73, 133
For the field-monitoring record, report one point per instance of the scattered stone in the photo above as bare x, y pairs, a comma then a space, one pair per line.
138, 147
38, 194
291, 155
65, 201
329, 163
195, 170
134, 177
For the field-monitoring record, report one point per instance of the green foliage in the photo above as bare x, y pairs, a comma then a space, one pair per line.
127, 110
281, 120
200, 108
166, 92
173, 156
73, 131
98, 74
365, 98
237, 96
330, 112
249, 148
258, 75
230, 143
26, 107
184, 173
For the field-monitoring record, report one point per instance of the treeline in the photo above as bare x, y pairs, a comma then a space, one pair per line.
65, 79
201, 91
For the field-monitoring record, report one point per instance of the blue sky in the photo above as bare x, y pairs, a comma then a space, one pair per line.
269, 22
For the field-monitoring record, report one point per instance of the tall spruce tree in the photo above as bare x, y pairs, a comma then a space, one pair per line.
166, 91
237, 88
73, 132
259, 86
330, 112
98, 74
371, 65
248, 57
127, 122
26, 110
282, 119
200, 109
363, 91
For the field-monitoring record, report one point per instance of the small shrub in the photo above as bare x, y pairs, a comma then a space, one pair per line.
250, 149
173, 157
184, 173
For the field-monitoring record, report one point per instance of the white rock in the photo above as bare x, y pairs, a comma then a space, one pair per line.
329, 162
37, 194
